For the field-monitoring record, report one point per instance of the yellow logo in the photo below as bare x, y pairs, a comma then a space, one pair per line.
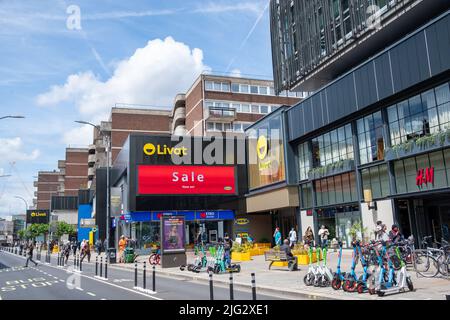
150, 149
242, 221
261, 147
38, 214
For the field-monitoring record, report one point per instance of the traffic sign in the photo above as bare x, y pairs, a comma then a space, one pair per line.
94, 229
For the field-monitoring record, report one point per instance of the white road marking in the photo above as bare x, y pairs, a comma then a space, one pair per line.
91, 294
80, 289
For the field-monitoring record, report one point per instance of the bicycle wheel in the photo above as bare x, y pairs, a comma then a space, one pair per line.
425, 264
443, 263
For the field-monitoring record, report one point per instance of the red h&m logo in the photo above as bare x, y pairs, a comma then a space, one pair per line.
425, 176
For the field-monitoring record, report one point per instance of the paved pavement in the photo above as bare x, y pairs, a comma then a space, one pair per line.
290, 284
50, 282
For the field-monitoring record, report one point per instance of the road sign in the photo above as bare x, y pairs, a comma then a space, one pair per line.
94, 229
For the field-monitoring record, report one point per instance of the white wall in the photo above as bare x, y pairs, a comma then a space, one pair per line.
68, 216
306, 222
383, 213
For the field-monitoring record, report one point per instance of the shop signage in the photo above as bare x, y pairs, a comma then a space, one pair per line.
241, 221
161, 150
425, 176
87, 223
309, 213
174, 180
37, 216
188, 215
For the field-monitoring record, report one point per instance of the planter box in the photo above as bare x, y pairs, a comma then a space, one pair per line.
435, 143
241, 256
263, 250
262, 245
255, 252
303, 259
347, 165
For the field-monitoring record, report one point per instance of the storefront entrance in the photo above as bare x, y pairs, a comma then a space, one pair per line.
428, 216
339, 222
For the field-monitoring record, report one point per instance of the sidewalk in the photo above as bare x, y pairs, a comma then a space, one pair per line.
283, 282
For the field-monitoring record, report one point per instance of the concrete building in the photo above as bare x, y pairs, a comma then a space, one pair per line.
48, 184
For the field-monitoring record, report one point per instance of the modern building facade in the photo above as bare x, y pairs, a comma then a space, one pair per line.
374, 143
315, 41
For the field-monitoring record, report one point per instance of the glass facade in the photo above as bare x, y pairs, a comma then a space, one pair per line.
370, 138
376, 179
336, 190
421, 115
333, 146
303, 160
306, 195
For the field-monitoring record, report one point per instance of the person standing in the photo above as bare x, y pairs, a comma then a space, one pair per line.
85, 250
74, 248
308, 238
323, 234
228, 244
30, 254
382, 234
98, 245
292, 237
395, 235
122, 246
277, 236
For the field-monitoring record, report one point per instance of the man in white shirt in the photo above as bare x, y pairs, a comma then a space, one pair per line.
292, 238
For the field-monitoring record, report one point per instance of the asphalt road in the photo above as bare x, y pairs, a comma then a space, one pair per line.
56, 283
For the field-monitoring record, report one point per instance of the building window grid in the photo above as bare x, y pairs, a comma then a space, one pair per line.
243, 107
371, 138
422, 114
333, 146
217, 86
325, 187
304, 165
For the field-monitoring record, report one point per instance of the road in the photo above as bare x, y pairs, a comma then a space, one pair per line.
50, 282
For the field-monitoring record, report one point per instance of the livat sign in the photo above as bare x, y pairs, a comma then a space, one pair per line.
425, 176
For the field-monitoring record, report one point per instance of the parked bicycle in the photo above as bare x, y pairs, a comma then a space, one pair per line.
430, 261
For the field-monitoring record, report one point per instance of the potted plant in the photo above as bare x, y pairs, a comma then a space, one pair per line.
240, 252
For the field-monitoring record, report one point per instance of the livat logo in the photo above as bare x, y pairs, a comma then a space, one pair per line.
150, 149
261, 147
38, 214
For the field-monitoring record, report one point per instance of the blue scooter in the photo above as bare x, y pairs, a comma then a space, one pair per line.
351, 277
338, 276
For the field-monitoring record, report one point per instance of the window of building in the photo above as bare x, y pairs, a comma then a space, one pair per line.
420, 115
262, 90
303, 160
255, 108
244, 88
227, 126
371, 138
235, 87
245, 108
264, 109
209, 85
273, 108
217, 86
272, 91
335, 190
306, 196
376, 179
210, 126
333, 146
254, 89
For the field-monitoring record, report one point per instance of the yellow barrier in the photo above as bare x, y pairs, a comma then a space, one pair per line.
241, 256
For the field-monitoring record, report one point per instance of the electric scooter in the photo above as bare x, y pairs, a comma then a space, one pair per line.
383, 272
361, 285
351, 277
310, 276
326, 275
402, 279
338, 276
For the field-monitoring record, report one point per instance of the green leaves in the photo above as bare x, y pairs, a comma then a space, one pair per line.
63, 228
35, 230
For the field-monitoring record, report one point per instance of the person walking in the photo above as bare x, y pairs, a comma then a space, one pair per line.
66, 251
98, 245
308, 238
31, 247
228, 244
277, 236
292, 237
122, 246
395, 235
323, 234
85, 251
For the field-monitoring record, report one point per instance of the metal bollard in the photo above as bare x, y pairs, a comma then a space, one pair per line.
74, 261
135, 274
231, 286
81, 265
106, 267
96, 265
211, 287
253, 287
59, 260
101, 267
154, 279
144, 276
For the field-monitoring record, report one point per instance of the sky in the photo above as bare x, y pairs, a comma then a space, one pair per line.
62, 61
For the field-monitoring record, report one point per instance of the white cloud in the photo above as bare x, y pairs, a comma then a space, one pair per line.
14, 150
236, 73
78, 137
153, 75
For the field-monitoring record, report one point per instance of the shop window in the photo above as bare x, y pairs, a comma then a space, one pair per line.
331, 190
303, 163
447, 163
353, 188
400, 178
306, 196
333, 146
437, 162
411, 173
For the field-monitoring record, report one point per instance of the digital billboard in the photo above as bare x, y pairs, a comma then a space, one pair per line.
38, 216
173, 234
195, 180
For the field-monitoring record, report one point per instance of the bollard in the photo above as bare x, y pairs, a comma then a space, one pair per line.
144, 276
231, 286
154, 279
106, 268
74, 261
211, 287
135, 274
81, 265
253, 287
96, 265
59, 260
101, 267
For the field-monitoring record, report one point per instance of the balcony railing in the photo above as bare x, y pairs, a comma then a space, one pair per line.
221, 114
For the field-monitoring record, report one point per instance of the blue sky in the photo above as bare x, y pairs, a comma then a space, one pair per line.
126, 52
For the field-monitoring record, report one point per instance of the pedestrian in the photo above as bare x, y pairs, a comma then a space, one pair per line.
21, 248
277, 236
287, 249
227, 245
323, 234
85, 251
122, 246
105, 245
382, 234
308, 238
74, 248
292, 237
98, 245
66, 251
31, 247
395, 235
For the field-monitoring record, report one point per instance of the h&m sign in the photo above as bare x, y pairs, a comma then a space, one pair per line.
425, 176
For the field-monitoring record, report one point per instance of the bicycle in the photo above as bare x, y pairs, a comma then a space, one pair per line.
155, 258
429, 262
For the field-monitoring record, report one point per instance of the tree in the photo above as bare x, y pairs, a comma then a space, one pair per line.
357, 231
22, 234
35, 230
63, 228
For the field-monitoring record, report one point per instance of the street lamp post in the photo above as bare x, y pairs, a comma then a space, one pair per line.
108, 186
12, 117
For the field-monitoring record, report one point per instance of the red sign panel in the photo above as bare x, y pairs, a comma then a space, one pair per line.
205, 180
425, 176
